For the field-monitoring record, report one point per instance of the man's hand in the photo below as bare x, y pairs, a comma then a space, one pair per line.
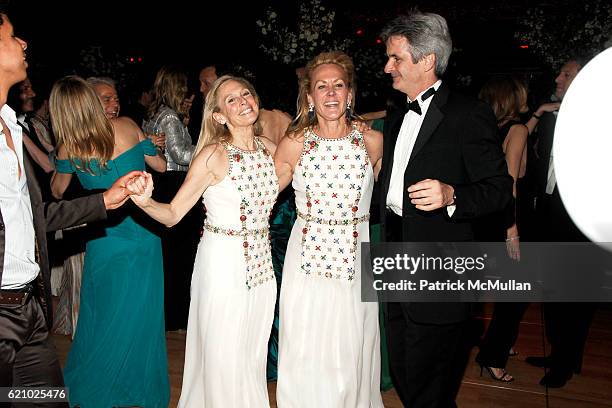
141, 189
118, 193
429, 195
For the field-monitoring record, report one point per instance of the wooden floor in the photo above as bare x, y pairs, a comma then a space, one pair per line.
593, 388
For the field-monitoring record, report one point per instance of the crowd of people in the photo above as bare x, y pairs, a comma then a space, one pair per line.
268, 284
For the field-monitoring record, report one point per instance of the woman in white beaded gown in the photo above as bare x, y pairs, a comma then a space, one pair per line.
233, 289
329, 344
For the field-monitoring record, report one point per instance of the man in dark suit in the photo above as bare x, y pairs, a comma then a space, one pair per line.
566, 324
27, 355
442, 167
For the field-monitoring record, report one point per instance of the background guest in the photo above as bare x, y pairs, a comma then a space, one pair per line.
179, 243
507, 97
120, 334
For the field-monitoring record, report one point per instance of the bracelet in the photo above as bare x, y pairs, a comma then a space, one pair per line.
536, 116
512, 238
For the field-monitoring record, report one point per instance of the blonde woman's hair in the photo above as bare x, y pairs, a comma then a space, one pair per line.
212, 131
302, 119
170, 89
79, 123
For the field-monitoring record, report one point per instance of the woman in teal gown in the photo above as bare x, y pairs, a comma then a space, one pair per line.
118, 357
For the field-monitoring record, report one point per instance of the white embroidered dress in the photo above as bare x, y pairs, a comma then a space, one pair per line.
329, 343
233, 289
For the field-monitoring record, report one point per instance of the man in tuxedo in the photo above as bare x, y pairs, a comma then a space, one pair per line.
442, 167
566, 324
27, 355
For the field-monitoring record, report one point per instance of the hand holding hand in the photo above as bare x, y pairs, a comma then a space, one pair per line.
141, 189
362, 127
429, 195
118, 193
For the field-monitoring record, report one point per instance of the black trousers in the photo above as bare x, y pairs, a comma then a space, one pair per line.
427, 361
501, 334
179, 246
27, 355
567, 324
567, 328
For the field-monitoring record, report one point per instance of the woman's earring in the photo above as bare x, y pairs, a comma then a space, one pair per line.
349, 111
311, 113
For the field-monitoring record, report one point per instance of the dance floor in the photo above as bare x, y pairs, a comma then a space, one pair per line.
592, 388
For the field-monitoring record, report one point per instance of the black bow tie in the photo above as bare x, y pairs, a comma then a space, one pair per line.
414, 105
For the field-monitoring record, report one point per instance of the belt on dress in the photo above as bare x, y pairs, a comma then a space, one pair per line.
236, 233
324, 221
16, 296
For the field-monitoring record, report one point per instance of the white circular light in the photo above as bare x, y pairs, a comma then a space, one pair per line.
582, 149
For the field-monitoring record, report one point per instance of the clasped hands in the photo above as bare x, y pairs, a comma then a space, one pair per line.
141, 188
429, 194
136, 184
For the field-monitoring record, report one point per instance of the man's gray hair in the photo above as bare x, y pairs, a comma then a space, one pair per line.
93, 81
427, 33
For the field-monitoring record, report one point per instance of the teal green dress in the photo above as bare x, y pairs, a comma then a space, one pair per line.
385, 374
118, 356
281, 222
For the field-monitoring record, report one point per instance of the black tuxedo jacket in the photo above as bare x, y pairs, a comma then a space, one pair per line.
50, 217
457, 145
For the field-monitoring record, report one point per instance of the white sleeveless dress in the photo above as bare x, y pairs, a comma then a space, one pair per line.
233, 289
329, 342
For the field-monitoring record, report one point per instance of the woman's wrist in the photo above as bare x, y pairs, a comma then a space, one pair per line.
535, 115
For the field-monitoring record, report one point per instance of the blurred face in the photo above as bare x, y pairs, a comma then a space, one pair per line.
26, 94
207, 76
408, 77
237, 105
299, 72
329, 92
565, 78
109, 98
12, 54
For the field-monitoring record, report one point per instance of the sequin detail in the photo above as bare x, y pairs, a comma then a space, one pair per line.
253, 174
334, 171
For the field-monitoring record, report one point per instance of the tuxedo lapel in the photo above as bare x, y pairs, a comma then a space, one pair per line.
433, 118
389, 149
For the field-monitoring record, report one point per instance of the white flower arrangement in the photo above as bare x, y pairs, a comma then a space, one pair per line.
313, 34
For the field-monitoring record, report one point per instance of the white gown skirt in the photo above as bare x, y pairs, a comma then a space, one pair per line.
329, 341
228, 330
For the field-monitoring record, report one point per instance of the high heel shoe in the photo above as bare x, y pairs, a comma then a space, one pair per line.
504, 377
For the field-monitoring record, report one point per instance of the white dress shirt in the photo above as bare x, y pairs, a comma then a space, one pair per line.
551, 179
20, 267
403, 148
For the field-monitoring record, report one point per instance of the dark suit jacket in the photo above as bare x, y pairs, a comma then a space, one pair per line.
457, 144
50, 217
554, 223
